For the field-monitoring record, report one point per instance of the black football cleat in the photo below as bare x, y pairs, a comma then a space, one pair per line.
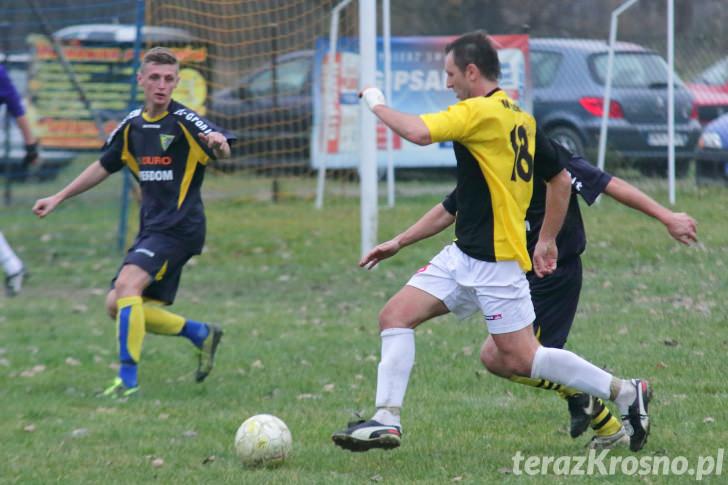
366, 435
637, 421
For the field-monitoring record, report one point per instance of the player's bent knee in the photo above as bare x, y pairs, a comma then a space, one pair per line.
124, 289
504, 364
111, 304
488, 353
391, 317
131, 281
492, 360
489, 361
111, 311
517, 363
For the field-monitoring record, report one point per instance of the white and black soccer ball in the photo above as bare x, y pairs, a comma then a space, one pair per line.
263, 440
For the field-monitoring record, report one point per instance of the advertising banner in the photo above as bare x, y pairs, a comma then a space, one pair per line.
104, 73
419, 85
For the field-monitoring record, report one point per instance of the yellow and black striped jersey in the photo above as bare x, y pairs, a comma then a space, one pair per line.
168, 160
494, 145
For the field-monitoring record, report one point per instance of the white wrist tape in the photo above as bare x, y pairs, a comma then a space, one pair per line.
373, 97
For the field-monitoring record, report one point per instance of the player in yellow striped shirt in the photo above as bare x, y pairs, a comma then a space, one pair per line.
484, 270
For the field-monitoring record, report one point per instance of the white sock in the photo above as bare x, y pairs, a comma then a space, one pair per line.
625, 397
8, 259
397, 359
568, 369
387, 416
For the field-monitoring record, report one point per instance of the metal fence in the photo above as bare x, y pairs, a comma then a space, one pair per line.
251, 62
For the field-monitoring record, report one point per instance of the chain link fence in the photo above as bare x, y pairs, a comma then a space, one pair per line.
250, 66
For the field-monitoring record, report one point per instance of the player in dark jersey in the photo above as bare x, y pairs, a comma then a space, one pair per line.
9, 96
166, 147
556, 296
484, 269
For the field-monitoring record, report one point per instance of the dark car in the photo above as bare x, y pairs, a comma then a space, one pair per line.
270, 110
711, 158
568, 95
710, 89
12, 145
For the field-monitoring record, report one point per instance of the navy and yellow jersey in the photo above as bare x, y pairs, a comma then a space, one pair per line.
168, 160
494, 146
587, 181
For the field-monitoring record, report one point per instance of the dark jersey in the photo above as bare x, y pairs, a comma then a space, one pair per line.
544, 168
9, 95
168, 160
586, 181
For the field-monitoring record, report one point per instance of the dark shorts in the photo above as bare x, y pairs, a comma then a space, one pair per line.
163, 258
555, 299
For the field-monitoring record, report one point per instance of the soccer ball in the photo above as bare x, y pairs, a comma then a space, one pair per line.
263, 440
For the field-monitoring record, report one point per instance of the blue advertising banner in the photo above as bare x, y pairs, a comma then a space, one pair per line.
419, 85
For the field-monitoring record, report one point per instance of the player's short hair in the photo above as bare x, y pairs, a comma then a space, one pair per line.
159, 55
475, 48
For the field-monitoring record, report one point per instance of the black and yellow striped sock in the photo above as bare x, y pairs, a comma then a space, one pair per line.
544, 384
604, 423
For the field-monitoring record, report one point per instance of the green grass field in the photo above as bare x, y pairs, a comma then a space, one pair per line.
302, 343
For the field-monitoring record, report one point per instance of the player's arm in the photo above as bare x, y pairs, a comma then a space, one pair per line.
25, 130
681, 226
434, 221
90, 177
217, 142
549, 164
558, 193
31, 142
410, 127
17, 110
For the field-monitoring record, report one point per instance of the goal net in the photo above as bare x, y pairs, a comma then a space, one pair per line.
261, 81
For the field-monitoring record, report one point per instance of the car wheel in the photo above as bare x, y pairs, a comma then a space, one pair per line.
568, 138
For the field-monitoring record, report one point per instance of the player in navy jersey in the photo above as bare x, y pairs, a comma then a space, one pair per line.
9, 96
556, 296
166, 146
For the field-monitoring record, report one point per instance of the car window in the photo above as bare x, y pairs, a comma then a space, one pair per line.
715, 75
544, 66
632, 70
291, 77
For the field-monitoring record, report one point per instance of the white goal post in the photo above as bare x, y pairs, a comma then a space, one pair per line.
368, 190
368, 135
329, 88
670, 90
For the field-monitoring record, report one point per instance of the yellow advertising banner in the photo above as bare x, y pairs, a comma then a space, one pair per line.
105, 75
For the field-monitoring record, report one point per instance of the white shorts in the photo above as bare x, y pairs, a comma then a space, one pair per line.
464, 284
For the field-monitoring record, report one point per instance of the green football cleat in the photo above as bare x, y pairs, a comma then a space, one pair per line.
207, 352
118, 390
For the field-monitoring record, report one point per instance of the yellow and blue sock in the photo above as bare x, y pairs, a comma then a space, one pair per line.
196, 332
164, 322
130, 334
